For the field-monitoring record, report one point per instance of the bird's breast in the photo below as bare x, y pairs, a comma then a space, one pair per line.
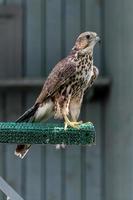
84, 71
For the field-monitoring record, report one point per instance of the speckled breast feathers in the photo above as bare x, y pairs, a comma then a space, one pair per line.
70, 95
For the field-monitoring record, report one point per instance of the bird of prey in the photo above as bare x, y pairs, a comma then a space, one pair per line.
62, 94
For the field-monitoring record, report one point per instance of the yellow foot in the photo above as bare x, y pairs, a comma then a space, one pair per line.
72, 124
88, 123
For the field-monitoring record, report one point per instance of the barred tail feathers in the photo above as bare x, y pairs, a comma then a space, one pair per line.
22, 149
28, 114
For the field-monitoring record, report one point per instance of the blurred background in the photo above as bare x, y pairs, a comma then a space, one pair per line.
34, 36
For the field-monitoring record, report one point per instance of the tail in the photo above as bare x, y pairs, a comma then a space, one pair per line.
28, 114
22, 149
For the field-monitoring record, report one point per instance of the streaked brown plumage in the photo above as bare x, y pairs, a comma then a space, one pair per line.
63, 91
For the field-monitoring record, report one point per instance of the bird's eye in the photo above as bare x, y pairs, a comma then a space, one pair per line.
88, 36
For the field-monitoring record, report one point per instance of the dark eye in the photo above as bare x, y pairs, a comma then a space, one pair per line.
88, 36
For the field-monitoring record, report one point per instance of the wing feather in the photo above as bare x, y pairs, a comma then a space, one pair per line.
59, 75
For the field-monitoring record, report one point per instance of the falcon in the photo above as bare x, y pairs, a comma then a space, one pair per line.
62, 94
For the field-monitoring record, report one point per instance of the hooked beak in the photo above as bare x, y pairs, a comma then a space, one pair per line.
98, 39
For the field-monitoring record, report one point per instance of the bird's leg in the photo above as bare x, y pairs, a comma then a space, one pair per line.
60, 146
73, 124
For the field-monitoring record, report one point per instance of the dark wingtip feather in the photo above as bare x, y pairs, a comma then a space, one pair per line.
28, 114
22, 150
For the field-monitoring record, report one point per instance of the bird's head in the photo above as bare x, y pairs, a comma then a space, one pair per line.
86, 42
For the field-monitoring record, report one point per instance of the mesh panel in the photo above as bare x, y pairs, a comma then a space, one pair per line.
38, 133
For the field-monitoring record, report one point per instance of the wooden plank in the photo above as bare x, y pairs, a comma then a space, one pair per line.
8, 190
72, 21
1, 1
10, 34
92, 155
53, 173
93, 9
33, 69
53, 38
73, 173
12, 163
33, 165
2, 146
13, 2
118, 110
33, 32
43, 38
72, 153
53, 55
10, 66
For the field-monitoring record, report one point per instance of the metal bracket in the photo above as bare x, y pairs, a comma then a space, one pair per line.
9, 191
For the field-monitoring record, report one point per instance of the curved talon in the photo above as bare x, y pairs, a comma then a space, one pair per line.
75, 124
71, 124
65, 127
